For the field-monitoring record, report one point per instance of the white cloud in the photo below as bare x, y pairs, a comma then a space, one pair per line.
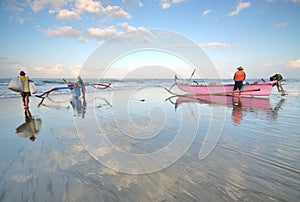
293, 63
66, 14
21, 20
37, 5
177, 1
65, 31
281, 25
135, 35
239, 7
211, 45
89, 6
142, 34
102, 33
182, 45
116, 12
132, 2
55, 70
126, 28
215, 45
14, 5
129, 2
18, 19
267, 65
68, 9
206, 12
165, 4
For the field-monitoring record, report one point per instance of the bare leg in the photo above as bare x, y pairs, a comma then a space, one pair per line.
23, 100
26, 102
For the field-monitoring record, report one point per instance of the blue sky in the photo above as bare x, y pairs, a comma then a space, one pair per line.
54, 38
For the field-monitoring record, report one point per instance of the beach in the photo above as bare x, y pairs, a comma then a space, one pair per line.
131, 144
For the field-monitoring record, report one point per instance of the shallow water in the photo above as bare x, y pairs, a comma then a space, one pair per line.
132, 145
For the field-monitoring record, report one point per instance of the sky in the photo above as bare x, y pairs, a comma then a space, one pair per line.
55, 38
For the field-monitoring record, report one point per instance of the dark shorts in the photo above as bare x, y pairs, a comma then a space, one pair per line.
238, 85
24, 94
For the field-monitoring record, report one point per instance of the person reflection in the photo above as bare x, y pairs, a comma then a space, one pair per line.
30, 128
237, 111
79, 107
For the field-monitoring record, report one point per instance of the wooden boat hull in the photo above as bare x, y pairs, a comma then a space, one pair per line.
250, 89
245, 102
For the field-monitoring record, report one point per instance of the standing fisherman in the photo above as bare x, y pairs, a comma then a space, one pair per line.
239, 77
26, 90
81, 83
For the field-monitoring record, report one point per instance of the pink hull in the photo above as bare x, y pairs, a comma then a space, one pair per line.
265, 88
246, 102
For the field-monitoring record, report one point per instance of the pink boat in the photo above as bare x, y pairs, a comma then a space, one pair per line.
260, 88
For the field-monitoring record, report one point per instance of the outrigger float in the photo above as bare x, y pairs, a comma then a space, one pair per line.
260, 88
70, 86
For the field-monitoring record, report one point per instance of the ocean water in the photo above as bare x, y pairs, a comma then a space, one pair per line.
131, 143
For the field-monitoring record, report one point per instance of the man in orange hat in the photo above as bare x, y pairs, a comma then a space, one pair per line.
239, 77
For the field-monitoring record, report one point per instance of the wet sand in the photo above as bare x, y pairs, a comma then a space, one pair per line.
124, 146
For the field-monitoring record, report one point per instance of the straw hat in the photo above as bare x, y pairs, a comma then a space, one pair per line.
240, 68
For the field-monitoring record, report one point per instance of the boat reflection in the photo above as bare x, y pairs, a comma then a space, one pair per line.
30, 128
239, 105
78, 104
